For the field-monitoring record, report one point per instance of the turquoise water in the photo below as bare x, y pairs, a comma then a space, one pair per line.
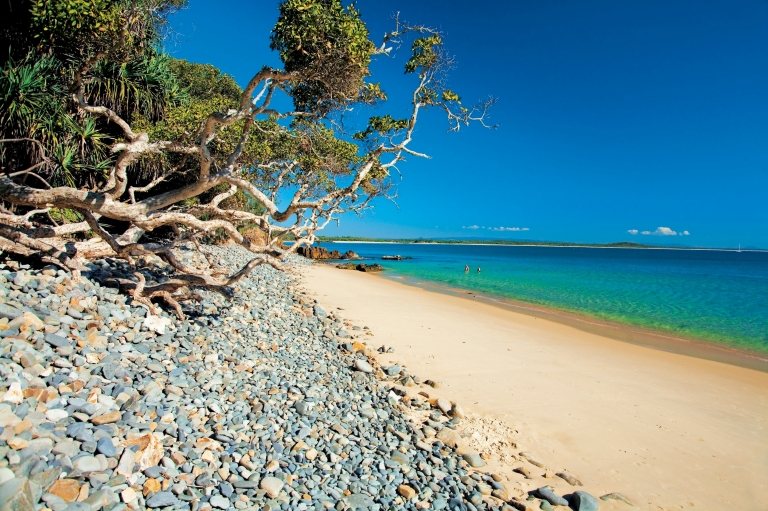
715, 296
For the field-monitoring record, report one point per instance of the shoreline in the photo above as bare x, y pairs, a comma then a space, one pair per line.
664, 429
547, 246
692, 347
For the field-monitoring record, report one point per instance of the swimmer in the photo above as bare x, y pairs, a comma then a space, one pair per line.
466, 268
478, 269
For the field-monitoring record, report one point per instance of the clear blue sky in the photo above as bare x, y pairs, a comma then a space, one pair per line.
613, 116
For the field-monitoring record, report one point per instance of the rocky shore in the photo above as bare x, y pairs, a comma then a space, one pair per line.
266, 402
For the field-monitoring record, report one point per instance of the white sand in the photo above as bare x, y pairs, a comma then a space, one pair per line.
666, 430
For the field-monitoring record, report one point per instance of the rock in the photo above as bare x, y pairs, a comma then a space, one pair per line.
6, 311
18, 443
531, 460
359, 501
128, 495
303, 408
107, 418
318, 253
127, 462
156, 324
523, 471
104, 446
393, 370
457, 411
569, 478
150, 450
473, 459
8, 418
370, 267
66, 489
362, 365
406, 491
319, 312
449, 437
551, 497
13, 395
349, 254
583, 501
271, 485
56, 341
18, 495
6, 474
616, 496
56, 414
444, 405
87, 464
162, 499
219, 502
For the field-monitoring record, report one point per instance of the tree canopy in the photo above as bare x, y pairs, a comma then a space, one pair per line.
106, 141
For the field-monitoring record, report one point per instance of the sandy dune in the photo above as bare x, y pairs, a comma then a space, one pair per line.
666, 430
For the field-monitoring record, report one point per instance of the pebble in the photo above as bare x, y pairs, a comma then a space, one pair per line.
162, 499
362, 365
583, 501
271, 485
474, 460
569, 478
551, 497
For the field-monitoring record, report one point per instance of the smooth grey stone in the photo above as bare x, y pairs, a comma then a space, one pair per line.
303, 407
56, 341
87, 464
474, 460
551, 497
583, 501
219, 502
162, 499
105, 447
362, 365
6, 311
393, 370
246, 484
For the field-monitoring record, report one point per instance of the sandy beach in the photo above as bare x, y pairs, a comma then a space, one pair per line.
668, 431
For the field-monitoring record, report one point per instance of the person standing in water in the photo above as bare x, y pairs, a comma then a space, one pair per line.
478, 269
466, 268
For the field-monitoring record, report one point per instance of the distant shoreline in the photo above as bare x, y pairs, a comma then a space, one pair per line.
636, 246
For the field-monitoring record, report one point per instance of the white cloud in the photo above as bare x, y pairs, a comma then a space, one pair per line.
514, 229
498, 229
661, 231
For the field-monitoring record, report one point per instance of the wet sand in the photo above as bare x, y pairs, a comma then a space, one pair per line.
668, 431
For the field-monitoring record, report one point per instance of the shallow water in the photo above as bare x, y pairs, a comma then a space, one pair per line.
716, 296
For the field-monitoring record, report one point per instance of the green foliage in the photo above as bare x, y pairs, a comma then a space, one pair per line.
424, 54
70, 23
35, 87
383, 125
328, 48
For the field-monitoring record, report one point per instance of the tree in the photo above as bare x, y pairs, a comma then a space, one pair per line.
176, 166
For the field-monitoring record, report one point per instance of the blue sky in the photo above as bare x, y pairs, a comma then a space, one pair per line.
613, 116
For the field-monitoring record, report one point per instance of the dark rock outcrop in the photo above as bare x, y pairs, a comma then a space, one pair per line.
370, 267
350, 255
319, 253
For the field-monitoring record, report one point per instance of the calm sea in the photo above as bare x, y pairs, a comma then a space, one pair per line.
715, 296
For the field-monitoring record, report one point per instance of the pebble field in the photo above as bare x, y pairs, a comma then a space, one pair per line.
263, 402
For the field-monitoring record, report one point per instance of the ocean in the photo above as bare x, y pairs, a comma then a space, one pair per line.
715, 296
